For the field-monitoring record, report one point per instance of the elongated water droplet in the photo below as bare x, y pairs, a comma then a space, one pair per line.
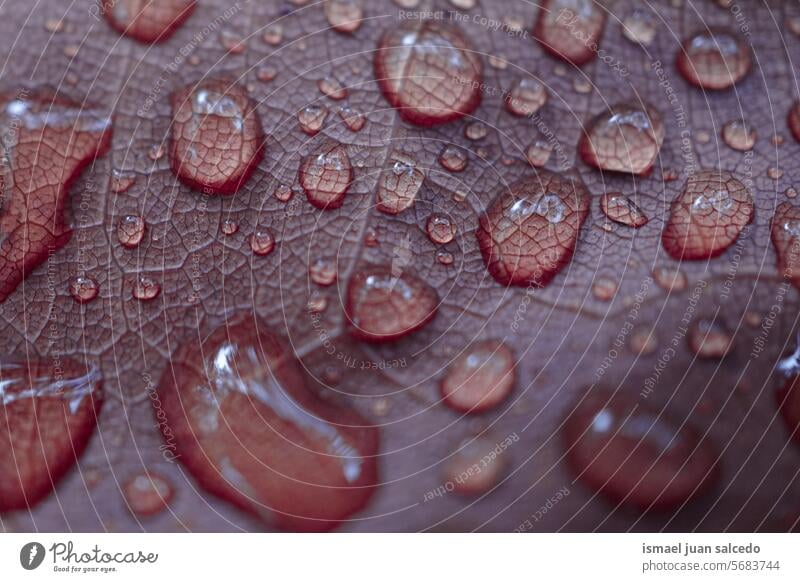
130, 230
626, 138
150, 21
714, 60
621, 209
385, 304
570, 29
427, 71
530, 230
399, 184
480, 379
708, 216
325, 175
217, 139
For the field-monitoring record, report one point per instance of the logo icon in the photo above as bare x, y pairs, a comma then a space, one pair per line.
31, 555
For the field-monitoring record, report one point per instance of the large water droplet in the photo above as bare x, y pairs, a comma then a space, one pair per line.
428, 72
48, 412
325, 175
480, 379
33, 186
634, 455
739, 135
714, 60
708, 216
785, 234
83, 289
530, 230
239, 402
312, 118
708, 339
217, 139
399, 184
386, 303
570, 29
130, 230
526, 97
344, 15
147, 494
621, 209
626, 138
150, 21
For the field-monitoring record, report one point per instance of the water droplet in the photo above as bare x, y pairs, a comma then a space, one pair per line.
229, 227
444, 257
147, 494
441, 229
570, 29
240, 377
530, 230
670, 279
262, 242
753, 319
620, 209
371, 238
790, 193
775, 173
121, 181
317, 304
399, 184
323, 272
352, 118
626, 138
669, 174
738, 135
643, 342
49, 413
332, 88
634, 455
53, 25
153, 21
639, 27
604, 288
426, 70
793, 24
83, 289
130, 230
453, 158
283, 193
33, 186
145, 288
344, 15
156, 152
785, 234
464, 4
325, 175
217, 139
788, 399
498, 62
232, 42
707, 216
475, 130
312, 118
582, 86
273, 35
475, 467
266, 73
385, 303
526, 97
714, 60
708, 339
480, 379
538, 153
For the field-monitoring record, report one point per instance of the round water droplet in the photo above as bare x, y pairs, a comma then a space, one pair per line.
83, 289
538, 153
526, 97
604, 288
739, 135
775, 173
634, 455
626, 138
312, 118
145, 288
530, 230
670, 279
387, 303
239, 402
325, 175
121, 181
147, 494
427, 70
708, 216
785, 234
332, 88
217, 139
708, 339
475, 130
639, 27
262, 242
570, 29
453, 158
714, 60
475, 467
621, 209
151, 21
283, 193
229, 227
352, 118
399, 184
130, 230
344, 15
323, 272
480, 379
441, 229
273, 35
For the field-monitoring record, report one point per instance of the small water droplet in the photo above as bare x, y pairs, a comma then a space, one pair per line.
399, 184
121, 181
475, 468
464, 4
156, 152
325, 175
643, 342
312, 118
639, 27
774, 173
538, 153
526, 97
53, 25
582, 86
317, 304
266, 73
381, 407
480, 379
371, 238
620, 209
145, 288
738, 135
232, 42
352, 118
475, 130
283, 193
323, 272
147, 494
453, 158
790, 193
83, 289
785, 235
344, 15
262, 242
670, 279
444, 257
441, 229
273, 35
604, 288
714, 59
229, 227
332, 88
708, 339
130, 230
498, 62
753, 319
